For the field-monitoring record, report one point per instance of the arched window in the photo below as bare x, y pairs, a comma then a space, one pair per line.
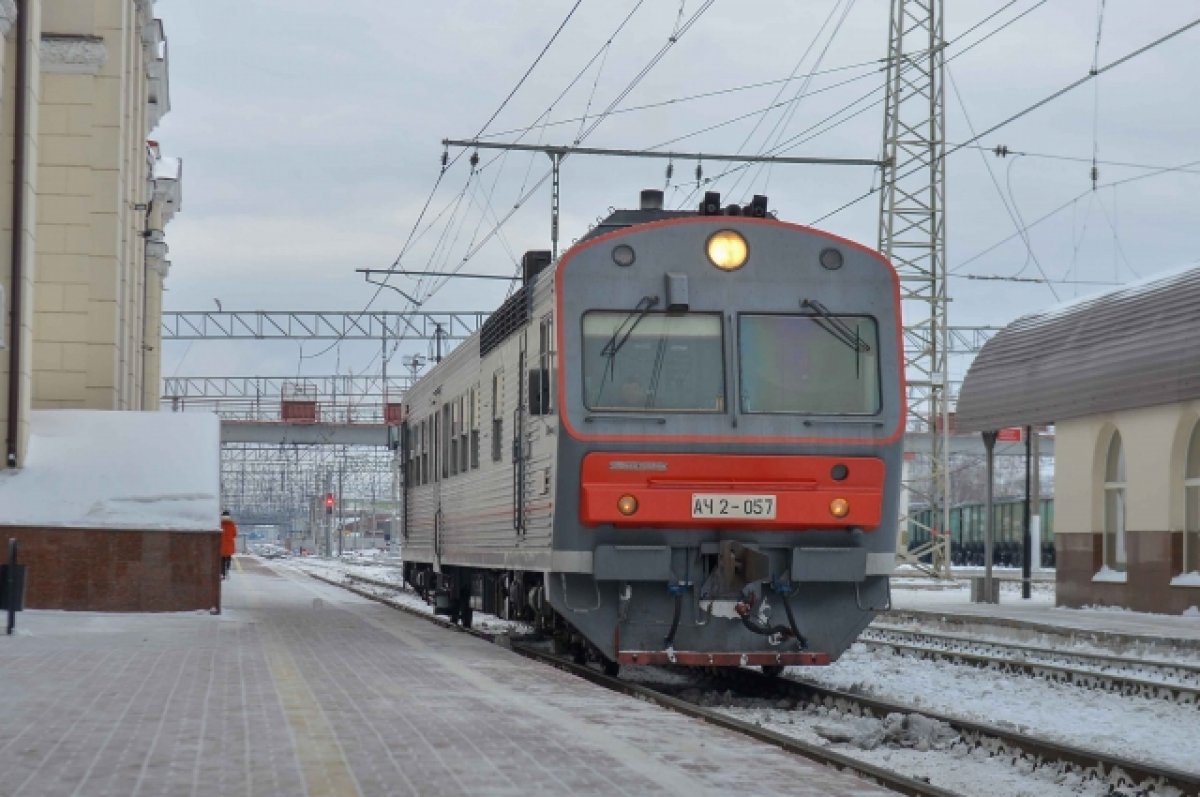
1114, 505
1191, 505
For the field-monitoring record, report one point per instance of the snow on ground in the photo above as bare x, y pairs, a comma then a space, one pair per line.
920, 748
1139, 728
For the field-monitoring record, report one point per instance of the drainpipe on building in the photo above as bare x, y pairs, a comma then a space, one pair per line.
147, 232
18, 235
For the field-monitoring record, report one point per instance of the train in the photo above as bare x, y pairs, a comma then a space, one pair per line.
679, 442
967, 531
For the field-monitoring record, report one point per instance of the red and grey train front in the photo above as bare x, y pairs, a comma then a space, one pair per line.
731, 399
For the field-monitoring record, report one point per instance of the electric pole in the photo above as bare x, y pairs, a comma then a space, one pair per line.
912, 234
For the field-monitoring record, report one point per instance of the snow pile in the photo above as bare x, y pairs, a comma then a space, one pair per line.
127, 470
913, 731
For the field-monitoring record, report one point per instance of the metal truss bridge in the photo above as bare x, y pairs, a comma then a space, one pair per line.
450, 325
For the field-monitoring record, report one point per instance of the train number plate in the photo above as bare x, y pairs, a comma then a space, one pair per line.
733, 505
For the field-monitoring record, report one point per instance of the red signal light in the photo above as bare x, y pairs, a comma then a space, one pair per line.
328, 502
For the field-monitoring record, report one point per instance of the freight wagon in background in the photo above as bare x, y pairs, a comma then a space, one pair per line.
967, 532
681, 442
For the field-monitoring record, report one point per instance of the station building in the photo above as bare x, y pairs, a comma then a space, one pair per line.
85, 196
1118, 374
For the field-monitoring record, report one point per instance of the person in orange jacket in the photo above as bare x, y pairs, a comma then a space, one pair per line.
228, 542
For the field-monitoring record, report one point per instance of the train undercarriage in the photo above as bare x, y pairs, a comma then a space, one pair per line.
742, 608
520, 596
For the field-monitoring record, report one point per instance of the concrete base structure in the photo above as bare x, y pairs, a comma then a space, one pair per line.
118, 570
1154, 558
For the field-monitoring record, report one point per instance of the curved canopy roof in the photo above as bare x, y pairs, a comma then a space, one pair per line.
1137, 346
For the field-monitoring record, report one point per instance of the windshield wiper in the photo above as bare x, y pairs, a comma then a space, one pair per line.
835, 326
626, 327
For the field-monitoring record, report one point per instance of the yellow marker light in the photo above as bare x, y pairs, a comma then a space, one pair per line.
839, 507
727, 250
627, 505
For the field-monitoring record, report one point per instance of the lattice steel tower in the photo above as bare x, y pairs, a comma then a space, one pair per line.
912, 233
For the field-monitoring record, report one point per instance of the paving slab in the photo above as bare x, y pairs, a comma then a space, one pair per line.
300, 688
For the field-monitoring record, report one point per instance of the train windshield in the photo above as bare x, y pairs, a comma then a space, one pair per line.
809, 364
661, 363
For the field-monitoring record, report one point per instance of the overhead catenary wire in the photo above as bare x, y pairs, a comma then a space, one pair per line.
785, 118
437, 182
1184, 167
1035, 106
1009, 201
704, 95
600, 118
524, 196
831, 121
1096, 96
524, 131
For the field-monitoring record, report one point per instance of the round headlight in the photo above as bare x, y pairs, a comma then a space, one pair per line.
627, 505
623, 255
727, 250
839, 507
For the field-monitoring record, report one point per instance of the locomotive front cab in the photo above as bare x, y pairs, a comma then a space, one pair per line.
732, 411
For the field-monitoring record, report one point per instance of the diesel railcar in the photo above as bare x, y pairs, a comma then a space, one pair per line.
681, 442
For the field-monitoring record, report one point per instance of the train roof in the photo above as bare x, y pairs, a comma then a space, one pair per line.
651, 210
620, 219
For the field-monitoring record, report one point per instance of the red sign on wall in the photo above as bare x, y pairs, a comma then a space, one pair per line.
1011, 434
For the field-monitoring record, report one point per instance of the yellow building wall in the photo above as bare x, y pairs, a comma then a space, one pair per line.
92, 287
91, 313
1155, 440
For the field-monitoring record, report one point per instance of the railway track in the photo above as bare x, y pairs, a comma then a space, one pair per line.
1118, 774
1174, 681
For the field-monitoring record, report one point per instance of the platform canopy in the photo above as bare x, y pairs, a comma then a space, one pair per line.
1136, 346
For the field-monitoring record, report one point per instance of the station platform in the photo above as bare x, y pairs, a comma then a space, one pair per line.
300, 688
949, 605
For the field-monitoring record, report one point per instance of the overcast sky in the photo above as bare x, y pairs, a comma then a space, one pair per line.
310, 136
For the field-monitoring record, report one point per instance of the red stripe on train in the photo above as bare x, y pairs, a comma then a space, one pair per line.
792, 492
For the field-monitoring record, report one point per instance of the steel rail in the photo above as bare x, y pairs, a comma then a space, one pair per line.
1118, 770
956, 647
1129, 639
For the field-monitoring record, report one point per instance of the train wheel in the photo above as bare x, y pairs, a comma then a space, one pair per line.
772, 670
611, 668
579, 654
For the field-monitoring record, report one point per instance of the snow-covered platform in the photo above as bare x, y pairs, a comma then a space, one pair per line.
303, 688
1039, 614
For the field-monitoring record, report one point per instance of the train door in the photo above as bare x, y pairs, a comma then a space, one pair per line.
438, 456
403, 472
519, 448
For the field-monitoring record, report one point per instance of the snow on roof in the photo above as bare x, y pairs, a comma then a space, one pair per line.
128, 470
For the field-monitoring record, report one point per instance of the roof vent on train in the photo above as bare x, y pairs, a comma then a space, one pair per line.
533, 263
652, 199
711, 206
